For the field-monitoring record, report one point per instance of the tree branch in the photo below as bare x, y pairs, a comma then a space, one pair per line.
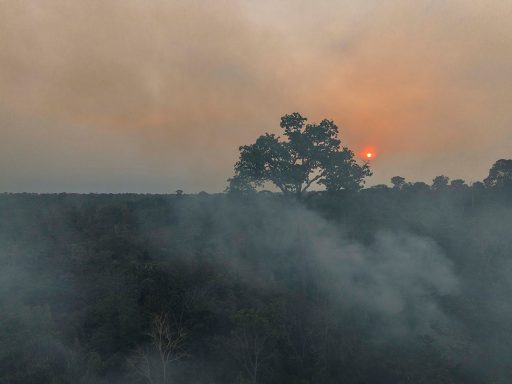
312, 181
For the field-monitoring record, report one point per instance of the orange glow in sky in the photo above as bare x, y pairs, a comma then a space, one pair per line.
93, 102
368, 153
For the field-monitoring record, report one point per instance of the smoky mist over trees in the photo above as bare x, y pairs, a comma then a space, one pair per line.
407, 283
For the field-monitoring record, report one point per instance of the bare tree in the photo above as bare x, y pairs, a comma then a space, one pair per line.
250, 343
151, 363
141, 365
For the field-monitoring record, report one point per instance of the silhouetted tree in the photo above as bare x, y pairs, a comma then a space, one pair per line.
398, 182
379, 187
152, 363
311, 154
440, 182
240, 184
500, 174
478, 186
419, 187
458, 184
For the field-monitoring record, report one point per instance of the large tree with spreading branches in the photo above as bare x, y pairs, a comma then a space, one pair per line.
311, 154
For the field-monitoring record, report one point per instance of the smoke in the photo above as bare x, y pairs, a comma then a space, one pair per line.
399, 284
169, 82
397, 276
444, 280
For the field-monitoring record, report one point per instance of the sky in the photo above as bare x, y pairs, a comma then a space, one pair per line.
154, 96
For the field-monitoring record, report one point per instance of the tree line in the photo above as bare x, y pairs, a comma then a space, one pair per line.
401, 284
312, 155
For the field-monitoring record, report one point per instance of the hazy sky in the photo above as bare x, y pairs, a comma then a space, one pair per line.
152, 96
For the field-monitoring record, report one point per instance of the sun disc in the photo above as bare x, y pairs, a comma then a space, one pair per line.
368, 153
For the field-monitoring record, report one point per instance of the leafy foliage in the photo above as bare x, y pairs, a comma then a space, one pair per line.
440, 182
311, 154
500, 174
226, 288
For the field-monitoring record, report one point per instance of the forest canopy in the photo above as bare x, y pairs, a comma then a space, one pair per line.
380, 285
400, 284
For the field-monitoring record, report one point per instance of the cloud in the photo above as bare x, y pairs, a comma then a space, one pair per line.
186, 83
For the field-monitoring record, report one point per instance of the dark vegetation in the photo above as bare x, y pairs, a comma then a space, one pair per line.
311, 155
408, 284
385, 285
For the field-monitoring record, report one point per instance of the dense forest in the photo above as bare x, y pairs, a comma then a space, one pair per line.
304, 192
402, 284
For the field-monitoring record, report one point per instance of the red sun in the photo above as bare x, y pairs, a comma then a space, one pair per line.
368, 154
